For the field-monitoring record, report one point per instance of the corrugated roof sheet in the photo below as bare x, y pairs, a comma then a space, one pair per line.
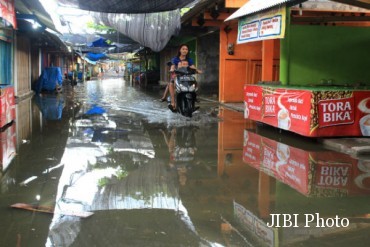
254, 6
34, 7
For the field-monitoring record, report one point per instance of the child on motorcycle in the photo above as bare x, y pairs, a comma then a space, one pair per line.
181, 60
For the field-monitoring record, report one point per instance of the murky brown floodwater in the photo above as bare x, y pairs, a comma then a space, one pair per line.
154, 178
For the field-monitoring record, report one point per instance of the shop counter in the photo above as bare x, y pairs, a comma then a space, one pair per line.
312, 112
7, 106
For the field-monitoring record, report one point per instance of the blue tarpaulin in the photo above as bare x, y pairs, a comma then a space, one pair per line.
79, 75
95, 110
50, 78
95, 56
99, 43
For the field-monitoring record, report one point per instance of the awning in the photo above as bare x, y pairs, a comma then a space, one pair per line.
254, 6
152, 30
34, 7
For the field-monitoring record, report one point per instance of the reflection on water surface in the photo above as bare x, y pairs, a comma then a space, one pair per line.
153, 178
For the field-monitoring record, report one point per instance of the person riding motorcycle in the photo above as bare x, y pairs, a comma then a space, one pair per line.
181, 60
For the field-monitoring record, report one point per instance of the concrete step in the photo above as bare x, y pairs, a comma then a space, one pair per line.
356, 147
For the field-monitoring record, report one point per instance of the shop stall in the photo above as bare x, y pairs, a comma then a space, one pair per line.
8, 24
310, 54
310, 111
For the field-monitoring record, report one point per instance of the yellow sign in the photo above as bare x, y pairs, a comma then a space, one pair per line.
267, 25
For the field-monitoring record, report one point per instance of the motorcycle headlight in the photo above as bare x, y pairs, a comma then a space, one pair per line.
183, 88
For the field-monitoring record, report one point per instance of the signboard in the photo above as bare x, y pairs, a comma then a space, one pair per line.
255, 226
312, 113
7, 12
268, 25
7, 105
7, 146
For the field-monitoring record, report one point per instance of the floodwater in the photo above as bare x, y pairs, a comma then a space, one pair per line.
153, 178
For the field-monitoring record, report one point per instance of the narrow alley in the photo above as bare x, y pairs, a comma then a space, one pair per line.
188, 123
118, 168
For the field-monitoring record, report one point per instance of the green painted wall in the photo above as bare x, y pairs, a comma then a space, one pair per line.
311, 54
289, 201
190, 41
6, 63
153, 61
193, 50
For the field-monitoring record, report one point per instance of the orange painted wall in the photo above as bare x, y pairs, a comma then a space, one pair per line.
231, 138
242, 67
230, 161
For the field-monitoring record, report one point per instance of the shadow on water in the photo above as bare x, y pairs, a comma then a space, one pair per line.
152, 178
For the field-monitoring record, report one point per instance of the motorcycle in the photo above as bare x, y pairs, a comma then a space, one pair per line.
185, 88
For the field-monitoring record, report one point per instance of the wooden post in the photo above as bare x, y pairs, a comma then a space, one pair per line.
264, 195
267, 60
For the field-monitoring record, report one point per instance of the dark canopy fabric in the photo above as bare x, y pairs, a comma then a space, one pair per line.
127, 6
78, 39
151, 30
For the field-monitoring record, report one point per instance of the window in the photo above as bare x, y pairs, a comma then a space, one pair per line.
5, 62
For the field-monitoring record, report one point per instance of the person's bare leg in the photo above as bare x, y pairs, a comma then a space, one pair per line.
165, 93
172, 93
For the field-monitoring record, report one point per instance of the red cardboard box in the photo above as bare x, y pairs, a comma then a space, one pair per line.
310, 112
